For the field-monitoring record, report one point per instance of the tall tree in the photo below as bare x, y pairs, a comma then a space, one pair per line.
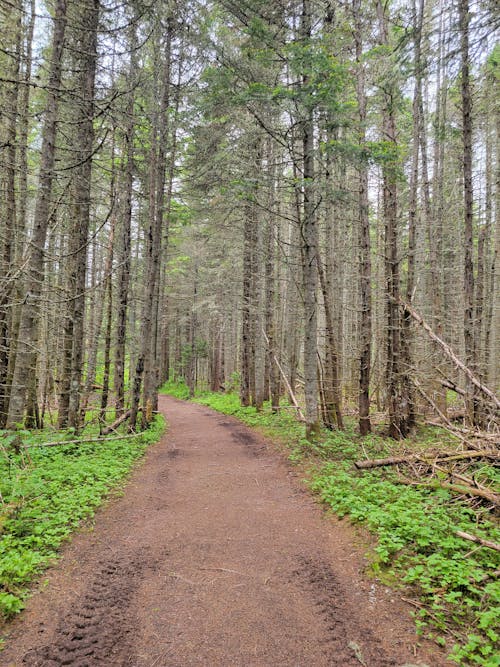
24, 373
468, 195
309, 233
396, 395
365, 323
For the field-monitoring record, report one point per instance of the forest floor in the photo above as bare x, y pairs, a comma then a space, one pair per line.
215, 556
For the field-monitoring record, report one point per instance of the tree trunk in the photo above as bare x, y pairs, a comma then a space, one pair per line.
466, 94
273, 379
407, 333
8, 143
397, 400
84, 141
109, 313
150, 365
27, 344
124, 245
146, 360
365, 318
309, 232
330, 381
246, 356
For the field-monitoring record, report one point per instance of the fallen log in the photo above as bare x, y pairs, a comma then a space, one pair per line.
59, 443
379, 463
478, 540
116, 423
445, 456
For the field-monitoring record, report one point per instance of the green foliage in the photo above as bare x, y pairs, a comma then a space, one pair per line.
417, 543
44, 498
415, 527
176, 388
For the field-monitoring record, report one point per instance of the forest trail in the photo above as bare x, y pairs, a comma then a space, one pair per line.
216, 557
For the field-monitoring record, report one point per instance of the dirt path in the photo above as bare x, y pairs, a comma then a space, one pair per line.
214, 557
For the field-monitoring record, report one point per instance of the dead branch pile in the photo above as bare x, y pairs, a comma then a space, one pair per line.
459, 471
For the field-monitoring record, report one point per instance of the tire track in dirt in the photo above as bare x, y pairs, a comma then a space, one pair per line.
214, 557
330, 597
98, 629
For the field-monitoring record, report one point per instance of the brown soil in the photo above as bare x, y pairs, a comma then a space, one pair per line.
216, 557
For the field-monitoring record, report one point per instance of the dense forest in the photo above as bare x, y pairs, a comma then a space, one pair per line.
286, 210
285, 198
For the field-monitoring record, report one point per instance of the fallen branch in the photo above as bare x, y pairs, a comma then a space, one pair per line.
83, 442
469, 482
116, 423
447, 424
478, 540
448, 384
473, 454
285, 379
445, 456
450, 354
457, 432
457, 488
379, 463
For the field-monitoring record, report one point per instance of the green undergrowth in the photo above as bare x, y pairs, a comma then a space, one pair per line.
175, 389
45, 494
453, 583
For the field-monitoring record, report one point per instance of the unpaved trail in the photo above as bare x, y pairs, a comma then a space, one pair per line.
215, 557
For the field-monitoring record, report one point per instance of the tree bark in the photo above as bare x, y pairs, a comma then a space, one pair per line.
27, 344
365, 319
397, 399
124, 244
330, 383
8, 143
309, 243
466, 94
84, 142
246, 356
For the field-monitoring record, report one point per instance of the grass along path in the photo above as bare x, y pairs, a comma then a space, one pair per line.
45, 494
453, 584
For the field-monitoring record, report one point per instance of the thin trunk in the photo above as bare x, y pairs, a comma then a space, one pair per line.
309, 238
365, 319
150, 370
124, 245
94, 326
397, 401
407, 333
466, 94
107, 338
273, 379
246, 360
330, 380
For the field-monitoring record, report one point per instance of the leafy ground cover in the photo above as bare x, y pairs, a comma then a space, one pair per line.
46, 492
453, 584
